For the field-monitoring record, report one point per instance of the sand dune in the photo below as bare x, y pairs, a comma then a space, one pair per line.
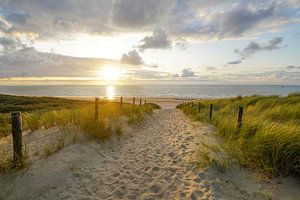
153, 161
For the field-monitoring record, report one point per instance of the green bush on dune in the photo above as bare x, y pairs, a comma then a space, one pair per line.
269, 139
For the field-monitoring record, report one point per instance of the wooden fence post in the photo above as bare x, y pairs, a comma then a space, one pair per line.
199, 107
96, 108
192, 103
240, 118
16, 118
140, 102
145, 102
210, 111
121, 102
133, 103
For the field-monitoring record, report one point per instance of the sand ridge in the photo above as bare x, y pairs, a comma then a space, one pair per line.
153, 161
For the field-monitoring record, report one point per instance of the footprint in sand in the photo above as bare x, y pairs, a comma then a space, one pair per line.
150, 164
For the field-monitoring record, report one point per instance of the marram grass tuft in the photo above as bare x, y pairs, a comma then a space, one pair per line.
269, 139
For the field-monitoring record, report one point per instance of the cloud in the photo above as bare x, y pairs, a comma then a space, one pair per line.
132, 58
226, 19
182, 44
153, 66
254, 47
24, 22
235, 62
132, 14
146, 74
292, 67
238, 21
29, 62
10, 43
210, 68
180, 19
187, 72
158, 40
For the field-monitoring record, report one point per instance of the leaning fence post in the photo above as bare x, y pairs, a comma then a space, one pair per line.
96, 108
16, 118
140, 102
240, 118
121, 102
133, 103
210, 111
199, 107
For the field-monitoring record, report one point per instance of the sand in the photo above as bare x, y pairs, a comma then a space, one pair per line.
157, 160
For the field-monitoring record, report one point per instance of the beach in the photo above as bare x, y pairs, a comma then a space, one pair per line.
156, 160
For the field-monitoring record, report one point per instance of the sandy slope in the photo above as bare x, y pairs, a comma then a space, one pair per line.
155, 161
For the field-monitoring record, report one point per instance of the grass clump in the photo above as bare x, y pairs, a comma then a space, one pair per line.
269, 139
70, 112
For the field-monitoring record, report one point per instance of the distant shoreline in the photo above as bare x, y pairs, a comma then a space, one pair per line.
163, 92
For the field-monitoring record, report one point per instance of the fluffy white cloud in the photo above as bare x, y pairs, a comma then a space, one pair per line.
131, 58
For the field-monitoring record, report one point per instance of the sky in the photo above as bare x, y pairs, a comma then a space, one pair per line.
130, 41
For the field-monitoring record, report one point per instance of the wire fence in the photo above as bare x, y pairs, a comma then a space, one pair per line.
36, 144
29, 145
207, 111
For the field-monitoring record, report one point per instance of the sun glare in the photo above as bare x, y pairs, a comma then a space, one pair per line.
109, 73
110, 92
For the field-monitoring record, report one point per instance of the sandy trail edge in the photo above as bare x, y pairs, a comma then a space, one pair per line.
155, 161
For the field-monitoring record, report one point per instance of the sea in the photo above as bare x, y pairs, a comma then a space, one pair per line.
156, 91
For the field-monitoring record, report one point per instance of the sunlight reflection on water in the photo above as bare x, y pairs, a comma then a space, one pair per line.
110, 92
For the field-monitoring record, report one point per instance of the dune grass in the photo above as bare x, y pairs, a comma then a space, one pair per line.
51, 112
269, 139
78, 114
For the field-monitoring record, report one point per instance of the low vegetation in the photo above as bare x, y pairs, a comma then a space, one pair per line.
10, 103
269, 139
47, 112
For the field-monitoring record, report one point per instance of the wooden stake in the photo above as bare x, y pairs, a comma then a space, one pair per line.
210, 111
199, 107
133, 103
240, 118
17, 136
121, 102
140, 102
96, 108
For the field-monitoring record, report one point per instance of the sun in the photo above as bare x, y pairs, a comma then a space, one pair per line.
109, 73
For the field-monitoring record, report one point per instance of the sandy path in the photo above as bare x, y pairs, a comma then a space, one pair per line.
154, 161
